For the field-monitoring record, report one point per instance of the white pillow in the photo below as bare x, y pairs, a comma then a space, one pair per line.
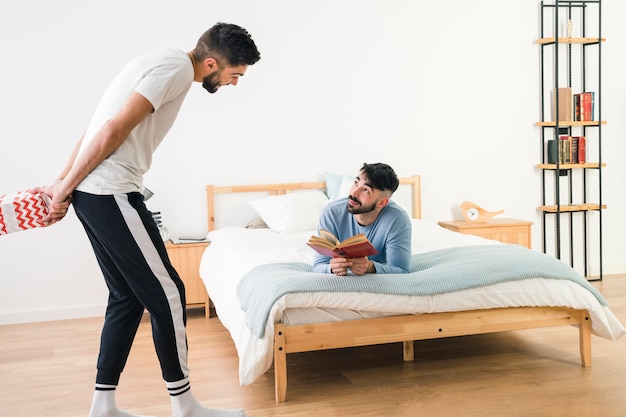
335, 184
292, 212
344, 188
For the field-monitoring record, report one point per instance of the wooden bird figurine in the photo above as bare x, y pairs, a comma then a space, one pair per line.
472, 212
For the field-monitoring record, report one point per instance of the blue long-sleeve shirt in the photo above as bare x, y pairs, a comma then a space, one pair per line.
390, 234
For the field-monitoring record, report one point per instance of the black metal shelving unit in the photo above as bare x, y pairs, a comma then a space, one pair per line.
572, 201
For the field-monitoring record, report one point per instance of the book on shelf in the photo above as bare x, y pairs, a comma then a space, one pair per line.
582, 150
356, 246
577, 149
564, 101
565, 150
552, 151
584, 106
188, 239
573, 148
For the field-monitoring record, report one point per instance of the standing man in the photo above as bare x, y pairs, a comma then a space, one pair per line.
369, 210
103, 180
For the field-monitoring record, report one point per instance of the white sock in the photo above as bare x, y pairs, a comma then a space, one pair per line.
103, 404
184, 404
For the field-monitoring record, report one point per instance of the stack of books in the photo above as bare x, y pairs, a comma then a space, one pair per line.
584, 106
570, 150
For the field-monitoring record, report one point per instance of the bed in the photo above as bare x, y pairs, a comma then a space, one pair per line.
270, 254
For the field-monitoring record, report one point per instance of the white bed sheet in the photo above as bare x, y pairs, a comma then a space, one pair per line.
235, 250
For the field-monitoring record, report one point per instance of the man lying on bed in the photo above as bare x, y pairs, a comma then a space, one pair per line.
369, 210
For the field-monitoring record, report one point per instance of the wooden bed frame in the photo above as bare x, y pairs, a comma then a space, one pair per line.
403, 328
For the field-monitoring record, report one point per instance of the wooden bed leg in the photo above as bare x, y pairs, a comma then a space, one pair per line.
585, 339
280, 363
408, 353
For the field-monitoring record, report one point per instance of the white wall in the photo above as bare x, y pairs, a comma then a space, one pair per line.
448, 90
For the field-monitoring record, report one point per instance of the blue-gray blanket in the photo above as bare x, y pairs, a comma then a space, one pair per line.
436, 272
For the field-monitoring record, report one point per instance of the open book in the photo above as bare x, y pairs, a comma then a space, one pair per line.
356, 246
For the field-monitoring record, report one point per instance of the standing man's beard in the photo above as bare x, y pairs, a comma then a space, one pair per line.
360, 209
211, 83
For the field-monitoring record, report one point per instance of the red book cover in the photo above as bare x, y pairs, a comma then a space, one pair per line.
354, 247
582, 150
356, 250
586, 106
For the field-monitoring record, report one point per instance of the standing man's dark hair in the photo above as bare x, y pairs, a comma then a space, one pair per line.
227, 41
103, 179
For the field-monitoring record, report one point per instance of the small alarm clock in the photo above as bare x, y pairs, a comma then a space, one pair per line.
474, 213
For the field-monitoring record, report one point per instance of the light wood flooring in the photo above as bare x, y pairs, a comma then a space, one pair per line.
47, 370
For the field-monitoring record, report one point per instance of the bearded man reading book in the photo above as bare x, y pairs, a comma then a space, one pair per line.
368, 210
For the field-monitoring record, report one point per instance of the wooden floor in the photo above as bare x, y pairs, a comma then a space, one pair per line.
47, 370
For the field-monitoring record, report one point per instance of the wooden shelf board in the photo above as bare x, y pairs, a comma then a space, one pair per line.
570, 41
571, 166
565, 123
572, 207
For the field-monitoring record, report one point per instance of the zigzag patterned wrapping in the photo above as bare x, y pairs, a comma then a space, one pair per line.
21, 211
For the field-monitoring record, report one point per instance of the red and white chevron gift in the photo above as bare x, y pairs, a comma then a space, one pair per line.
21, 211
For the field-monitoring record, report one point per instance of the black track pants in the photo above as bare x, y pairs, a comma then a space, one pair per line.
139, 275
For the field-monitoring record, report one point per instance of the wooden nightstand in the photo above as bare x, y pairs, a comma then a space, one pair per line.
186, 259
503, 230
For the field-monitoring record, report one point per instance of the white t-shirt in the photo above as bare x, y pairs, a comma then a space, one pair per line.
163, 78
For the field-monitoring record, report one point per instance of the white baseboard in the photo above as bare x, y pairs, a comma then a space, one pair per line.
32, 316
606, 270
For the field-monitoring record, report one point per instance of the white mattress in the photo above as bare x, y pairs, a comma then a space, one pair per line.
235, 250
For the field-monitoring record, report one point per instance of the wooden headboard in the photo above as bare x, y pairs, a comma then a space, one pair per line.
278, 189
